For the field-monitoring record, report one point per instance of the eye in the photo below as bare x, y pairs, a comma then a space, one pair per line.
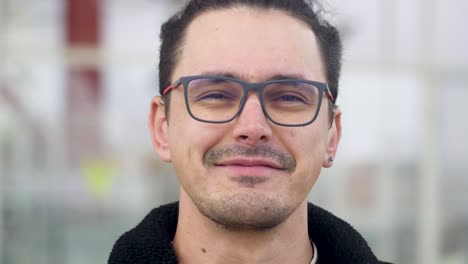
212, 90
287, 98
215, 96
290, 98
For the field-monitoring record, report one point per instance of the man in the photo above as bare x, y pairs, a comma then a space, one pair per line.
248, 118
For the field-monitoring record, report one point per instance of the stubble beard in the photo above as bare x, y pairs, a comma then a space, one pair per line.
246, 211
243, 212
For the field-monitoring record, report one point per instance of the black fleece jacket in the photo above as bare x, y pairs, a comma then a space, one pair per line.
150, 241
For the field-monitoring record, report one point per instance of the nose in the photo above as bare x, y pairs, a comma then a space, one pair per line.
251, 126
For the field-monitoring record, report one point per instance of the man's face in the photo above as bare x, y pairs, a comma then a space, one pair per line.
248, 173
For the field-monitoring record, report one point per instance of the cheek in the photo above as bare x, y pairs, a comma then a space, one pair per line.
310, 163
308, 146
189, 144
189, 140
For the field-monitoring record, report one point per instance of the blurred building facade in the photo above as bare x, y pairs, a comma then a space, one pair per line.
76, 164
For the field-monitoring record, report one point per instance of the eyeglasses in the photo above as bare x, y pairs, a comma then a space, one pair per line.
286, 102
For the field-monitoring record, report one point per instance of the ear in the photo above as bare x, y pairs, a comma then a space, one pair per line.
334, 137
157, 122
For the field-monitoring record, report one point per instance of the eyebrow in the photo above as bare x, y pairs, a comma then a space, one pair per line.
274, 77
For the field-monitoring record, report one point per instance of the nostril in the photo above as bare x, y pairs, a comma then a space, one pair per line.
245, 137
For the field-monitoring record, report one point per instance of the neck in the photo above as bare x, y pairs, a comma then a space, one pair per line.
200, 240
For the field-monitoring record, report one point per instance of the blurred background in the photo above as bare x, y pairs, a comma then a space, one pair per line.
76, 164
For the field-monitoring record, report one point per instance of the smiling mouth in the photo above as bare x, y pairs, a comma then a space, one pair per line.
244, 159
249, 172
250, 163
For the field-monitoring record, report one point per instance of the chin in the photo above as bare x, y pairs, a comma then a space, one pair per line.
245, 211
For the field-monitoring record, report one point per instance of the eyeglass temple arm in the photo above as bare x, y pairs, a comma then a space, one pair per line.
168, 89
329, 94
171, 87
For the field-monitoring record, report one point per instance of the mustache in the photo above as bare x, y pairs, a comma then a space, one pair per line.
214, 156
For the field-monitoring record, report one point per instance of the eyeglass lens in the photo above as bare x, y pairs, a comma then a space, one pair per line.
285, 102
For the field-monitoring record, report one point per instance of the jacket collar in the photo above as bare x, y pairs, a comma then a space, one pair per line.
151, 240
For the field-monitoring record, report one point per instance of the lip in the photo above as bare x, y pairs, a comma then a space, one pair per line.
251, 163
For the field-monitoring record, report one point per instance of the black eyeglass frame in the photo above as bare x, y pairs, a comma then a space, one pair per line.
247, 86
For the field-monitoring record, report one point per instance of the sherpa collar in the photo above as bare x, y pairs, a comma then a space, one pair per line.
150, 241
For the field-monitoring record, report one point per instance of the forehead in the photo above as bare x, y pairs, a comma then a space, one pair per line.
250, 42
